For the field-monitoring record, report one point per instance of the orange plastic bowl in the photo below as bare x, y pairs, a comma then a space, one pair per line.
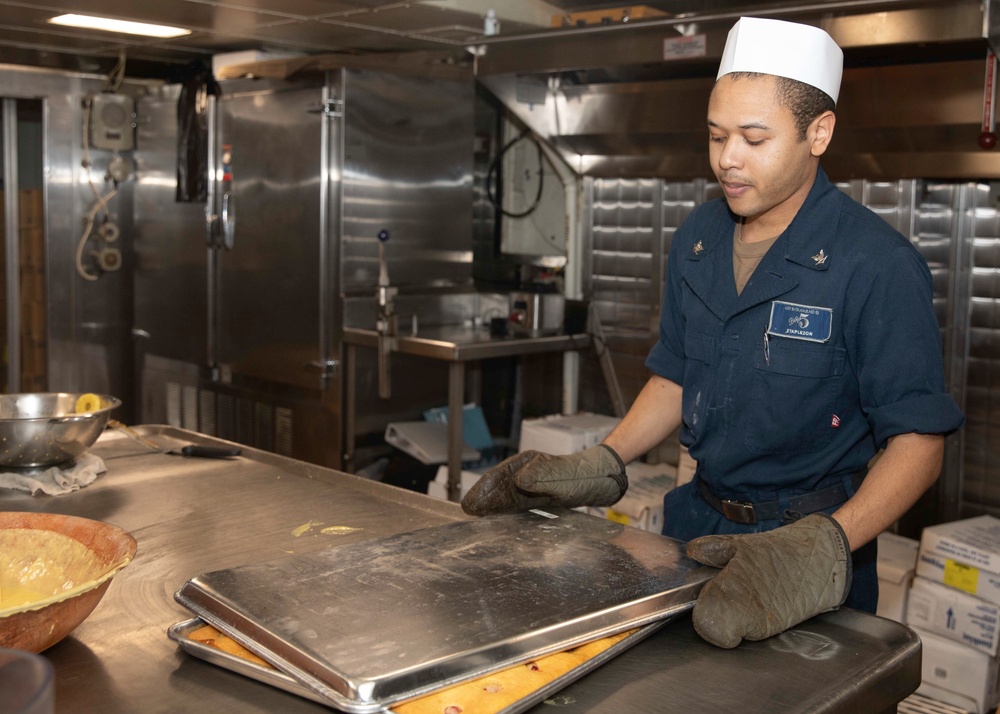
51, 612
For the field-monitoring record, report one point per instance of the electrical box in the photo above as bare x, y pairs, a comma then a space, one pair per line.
541, 231
112, 122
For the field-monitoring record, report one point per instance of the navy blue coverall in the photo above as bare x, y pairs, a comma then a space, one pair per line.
793, 385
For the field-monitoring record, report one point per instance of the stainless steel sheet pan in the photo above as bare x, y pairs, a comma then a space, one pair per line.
369, 624
181, 634
181, 631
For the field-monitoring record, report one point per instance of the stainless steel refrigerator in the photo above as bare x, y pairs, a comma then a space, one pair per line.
240, 301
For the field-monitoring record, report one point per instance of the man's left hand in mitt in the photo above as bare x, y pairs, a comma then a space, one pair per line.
770, 581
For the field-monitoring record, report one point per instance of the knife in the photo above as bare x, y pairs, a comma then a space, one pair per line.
191, 450
206, 452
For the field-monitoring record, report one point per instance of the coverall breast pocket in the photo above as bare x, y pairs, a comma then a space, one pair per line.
700, 353
794, 392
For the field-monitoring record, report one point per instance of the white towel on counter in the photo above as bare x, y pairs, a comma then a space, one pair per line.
55, 480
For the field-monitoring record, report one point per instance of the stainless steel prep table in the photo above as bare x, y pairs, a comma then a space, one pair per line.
844, 661
456, 345
194, 515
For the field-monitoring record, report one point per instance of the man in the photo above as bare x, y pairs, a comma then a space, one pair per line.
797, 340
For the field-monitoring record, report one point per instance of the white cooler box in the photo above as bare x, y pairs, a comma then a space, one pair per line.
951, 613
561, 435
955, 674
897, 559
964, 555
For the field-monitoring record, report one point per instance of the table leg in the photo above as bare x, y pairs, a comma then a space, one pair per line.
474, 382
350, 400
456, 395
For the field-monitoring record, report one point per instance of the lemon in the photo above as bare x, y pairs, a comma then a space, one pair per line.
88, 403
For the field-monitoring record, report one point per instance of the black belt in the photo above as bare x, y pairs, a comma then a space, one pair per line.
750, 513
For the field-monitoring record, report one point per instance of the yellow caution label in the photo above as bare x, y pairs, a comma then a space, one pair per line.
961, 576
617, 516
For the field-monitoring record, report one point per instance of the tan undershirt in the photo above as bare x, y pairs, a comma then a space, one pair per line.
747, 256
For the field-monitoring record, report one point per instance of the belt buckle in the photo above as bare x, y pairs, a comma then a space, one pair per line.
739, 511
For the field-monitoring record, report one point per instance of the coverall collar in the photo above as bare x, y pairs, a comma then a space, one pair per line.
805, 243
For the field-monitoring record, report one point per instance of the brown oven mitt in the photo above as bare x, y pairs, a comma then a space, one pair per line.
531, 479
770, 581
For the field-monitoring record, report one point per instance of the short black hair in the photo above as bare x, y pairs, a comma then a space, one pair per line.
805, 101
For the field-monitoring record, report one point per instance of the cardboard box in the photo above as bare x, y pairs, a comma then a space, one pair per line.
981, 583
897, 561
609, 16
974, 541
964, 555
642, 506
560, 435
438, 487
229, 59
955, 674
934, 607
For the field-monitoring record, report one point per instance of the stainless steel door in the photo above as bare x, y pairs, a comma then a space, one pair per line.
408, 170
171, 249
268, 198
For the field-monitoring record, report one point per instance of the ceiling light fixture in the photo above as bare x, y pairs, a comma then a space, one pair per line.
108, 24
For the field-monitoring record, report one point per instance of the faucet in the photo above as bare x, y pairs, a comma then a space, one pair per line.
385, 319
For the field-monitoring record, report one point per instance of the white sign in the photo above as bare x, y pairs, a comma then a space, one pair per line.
675, 48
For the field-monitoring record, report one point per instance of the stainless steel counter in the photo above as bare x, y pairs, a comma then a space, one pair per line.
844, 661
456, 345
464, 344
191, 516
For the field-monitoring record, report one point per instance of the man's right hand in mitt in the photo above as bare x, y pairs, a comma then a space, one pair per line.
531, 479
771, 581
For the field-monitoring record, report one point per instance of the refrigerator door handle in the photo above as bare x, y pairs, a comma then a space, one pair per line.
211, 227
228, 220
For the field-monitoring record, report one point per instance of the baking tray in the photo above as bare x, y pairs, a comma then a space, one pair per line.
181, 631
369, 624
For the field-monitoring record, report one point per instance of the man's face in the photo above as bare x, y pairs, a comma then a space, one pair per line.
764, 168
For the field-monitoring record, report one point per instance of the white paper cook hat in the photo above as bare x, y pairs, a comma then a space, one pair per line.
784, 49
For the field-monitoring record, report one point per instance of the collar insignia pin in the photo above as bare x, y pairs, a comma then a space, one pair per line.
698, 247
820, 257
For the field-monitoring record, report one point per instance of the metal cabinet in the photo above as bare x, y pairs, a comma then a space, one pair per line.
240, 300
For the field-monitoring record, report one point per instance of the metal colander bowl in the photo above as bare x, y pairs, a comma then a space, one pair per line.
43, 429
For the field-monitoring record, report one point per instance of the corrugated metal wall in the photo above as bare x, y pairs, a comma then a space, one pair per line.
978, 293
625, 253
629, 226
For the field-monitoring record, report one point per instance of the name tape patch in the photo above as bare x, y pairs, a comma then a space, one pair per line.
800, 322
